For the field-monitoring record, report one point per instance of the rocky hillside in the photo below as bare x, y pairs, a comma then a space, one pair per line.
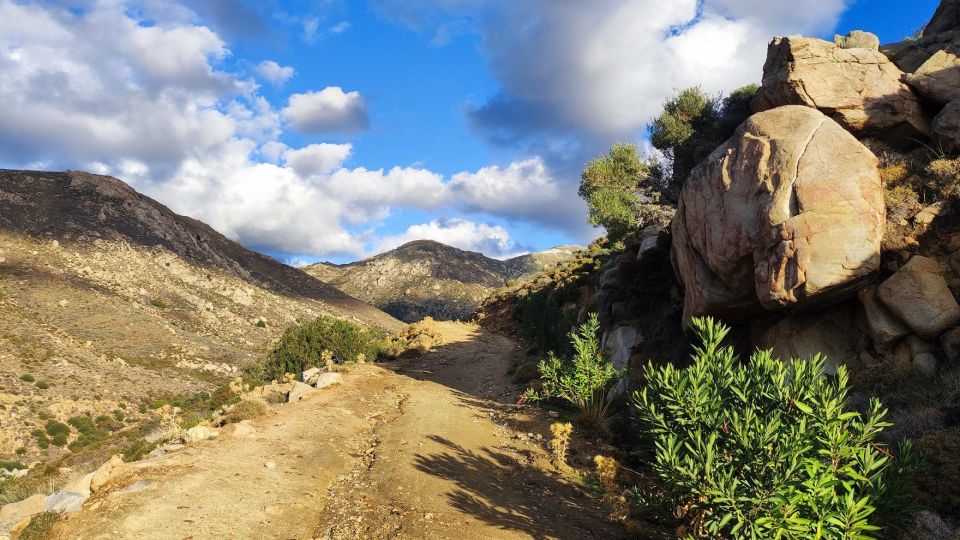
427, 278
109, 301
838, 231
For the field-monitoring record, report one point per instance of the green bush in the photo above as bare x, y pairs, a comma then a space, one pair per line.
584, 380
58, 432
767, 449
300, 346
43, 385
542, 320
616, 187
40, 526
8, 465
692, 125
26, 377
88, 432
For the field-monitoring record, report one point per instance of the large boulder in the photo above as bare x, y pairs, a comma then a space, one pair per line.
831, 334
938, 78
909, 55
857, 39
787, 213
920, 297
946, 126
859, 88
883, 328
945, 19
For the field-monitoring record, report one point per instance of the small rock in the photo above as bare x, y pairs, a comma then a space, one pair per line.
553, 414
199, 433
298, 392
329, 379
13, 513
65, 501
858, 39
950, 341
64, 303
105, 473
240, 429
270, 465
310, 376
925, 363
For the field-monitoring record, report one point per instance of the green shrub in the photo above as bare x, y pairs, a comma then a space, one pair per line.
43, 385
58, 432
542, 320
616, 187
21, 450
26, 377
261, 323
8, 465
158, 303
584, 380
767, 449
88, 432
136, 450
943, 178
43, 442
300, 346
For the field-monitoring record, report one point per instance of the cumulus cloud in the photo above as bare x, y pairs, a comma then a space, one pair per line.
492, 240
330, 110
522, 190
273, 72
601, 69
317, 159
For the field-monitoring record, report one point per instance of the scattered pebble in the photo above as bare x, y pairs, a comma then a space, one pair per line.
270, 465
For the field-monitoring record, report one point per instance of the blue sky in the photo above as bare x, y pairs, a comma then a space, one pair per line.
333, 129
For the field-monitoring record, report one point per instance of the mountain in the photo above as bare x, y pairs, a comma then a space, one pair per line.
427, 278
109, 298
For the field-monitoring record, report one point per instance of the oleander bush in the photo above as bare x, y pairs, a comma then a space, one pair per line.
767, 449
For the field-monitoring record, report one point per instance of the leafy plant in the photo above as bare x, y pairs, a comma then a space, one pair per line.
302, 346
617, 187
88, 432
541, 319
584, 380
768, 449
58, 432
28, 378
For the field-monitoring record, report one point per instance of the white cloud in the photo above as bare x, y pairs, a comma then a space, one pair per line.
273, 72
318, 159
330, 110
492, 240
522, 190
603, 68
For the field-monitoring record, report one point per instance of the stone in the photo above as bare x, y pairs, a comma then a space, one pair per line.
65, 502
329, 379
946, 127
919, 296
199, 433
950, 343
619, 344
858, 39
930, 213
80, 485
884, 329
945, 19
861, 89
831, 334
273, 393
930, 526
938, 79
298, 392
239, 429
310, 375
105, 473
788, 213
270, 465
13, 513
918, 346
925, 364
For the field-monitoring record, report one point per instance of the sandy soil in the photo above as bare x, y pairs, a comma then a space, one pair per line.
432, 448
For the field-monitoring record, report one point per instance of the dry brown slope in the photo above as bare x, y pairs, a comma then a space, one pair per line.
114, 301
385, 455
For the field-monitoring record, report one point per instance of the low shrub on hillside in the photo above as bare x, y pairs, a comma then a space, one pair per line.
301, 347
943, 177
767, 449
541, 319
245, 409
584, 380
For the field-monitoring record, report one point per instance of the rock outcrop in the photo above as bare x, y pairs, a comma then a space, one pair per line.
945, 19
938, 78
946, 126
857, 39
859, 88
788, 213
921, 298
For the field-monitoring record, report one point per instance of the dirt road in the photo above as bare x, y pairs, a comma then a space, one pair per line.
432, 448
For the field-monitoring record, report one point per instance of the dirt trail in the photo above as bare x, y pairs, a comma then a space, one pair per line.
432, 448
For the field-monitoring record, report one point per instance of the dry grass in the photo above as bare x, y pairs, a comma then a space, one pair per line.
246, 409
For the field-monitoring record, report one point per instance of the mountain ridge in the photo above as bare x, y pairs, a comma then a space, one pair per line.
428, 278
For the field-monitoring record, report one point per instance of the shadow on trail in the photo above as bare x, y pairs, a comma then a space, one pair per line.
512, 495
